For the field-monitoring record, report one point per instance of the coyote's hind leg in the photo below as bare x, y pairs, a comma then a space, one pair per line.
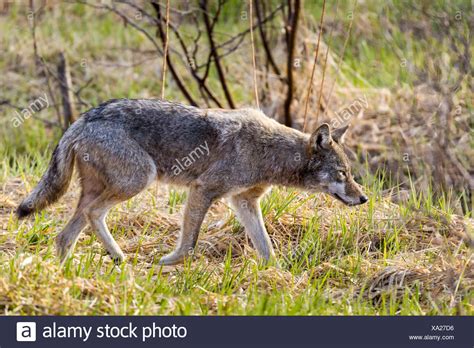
66, 240
123, 169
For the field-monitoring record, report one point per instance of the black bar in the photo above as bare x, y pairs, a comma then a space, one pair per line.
241, 331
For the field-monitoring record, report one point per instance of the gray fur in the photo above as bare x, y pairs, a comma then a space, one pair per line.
122, 146
56, 179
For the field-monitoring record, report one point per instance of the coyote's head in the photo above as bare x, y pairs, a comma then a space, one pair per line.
329, 170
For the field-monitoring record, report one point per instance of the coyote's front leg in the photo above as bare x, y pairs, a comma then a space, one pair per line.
199, 201
247, 208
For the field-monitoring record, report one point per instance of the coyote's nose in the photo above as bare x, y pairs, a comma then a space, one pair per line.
363, 199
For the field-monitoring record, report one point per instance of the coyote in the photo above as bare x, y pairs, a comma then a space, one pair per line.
122, 146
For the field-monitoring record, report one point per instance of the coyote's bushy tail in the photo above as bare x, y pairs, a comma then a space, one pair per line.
55, 180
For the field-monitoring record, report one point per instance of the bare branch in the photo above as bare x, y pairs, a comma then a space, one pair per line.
314, 66
65, 87
220, 71
40, 62
173, 71
292, 28
165, 49
341, 56
203, 88
158, 49
263, 37
35, 116
254, 63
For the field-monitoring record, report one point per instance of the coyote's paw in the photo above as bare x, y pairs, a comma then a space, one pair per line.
117, 257
173, 258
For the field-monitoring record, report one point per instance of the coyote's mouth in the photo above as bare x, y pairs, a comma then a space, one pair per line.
343, 200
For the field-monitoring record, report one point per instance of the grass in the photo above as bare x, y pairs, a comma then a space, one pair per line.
409, 258
379, 259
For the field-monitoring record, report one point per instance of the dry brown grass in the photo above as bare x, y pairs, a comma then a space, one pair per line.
367, 254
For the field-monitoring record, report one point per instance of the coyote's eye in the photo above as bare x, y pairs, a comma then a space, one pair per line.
342, 174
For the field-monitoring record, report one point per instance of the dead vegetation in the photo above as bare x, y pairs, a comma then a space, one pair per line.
362, 254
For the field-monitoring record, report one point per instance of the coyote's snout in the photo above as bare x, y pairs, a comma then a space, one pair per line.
122, 146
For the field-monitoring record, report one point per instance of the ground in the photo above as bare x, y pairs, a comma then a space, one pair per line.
380, 258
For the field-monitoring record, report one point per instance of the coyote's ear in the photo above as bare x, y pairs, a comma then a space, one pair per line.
321, 138
339, 134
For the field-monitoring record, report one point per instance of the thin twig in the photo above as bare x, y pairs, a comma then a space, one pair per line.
126, 20
247, 31
341, 56
165, 50
240, 36
34, 116
318, 108
66, 91
253, 55
160, 35
263, 37
78, 93
203, 88
173, 71
314, 66
291, 43
40, 62
209, 30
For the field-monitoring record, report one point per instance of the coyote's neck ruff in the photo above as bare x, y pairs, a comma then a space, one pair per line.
122, 146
